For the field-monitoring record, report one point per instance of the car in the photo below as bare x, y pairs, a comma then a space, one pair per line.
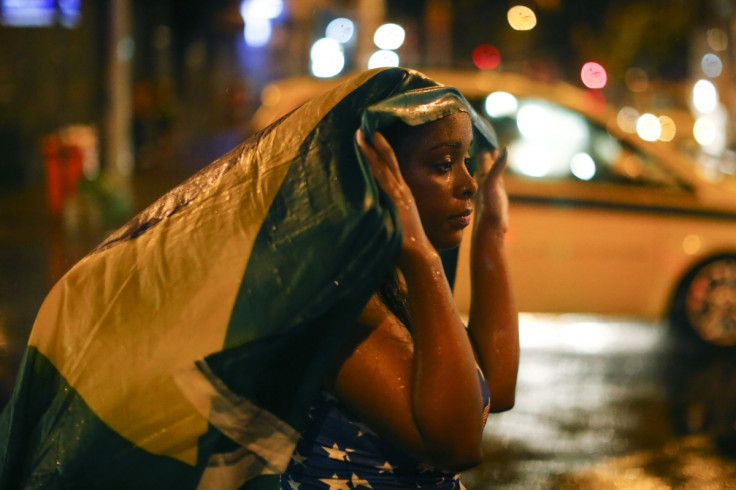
601, 221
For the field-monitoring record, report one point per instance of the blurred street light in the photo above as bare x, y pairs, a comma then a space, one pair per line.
648, 127
340, 29
383, 57
521, 18
389, 36
257, 16
593, 75
327, 58
705, 96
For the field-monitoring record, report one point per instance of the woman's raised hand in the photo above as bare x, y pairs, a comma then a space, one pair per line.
385, 168
491, 201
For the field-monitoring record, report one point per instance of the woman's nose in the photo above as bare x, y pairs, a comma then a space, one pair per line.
466, 184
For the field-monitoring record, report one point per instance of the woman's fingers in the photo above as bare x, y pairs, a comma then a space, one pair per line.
368, 151
386, 153
483, 164
500, 164
382, 161
491, 200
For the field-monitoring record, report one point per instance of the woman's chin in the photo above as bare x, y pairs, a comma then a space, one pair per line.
447, 242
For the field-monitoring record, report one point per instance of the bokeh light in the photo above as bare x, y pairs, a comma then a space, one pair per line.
327, 57
383, 57
704, 131
486, 57
389, 36
521, 18
261, 9
500, 104
717, 39
669, 128
257, 32
632, 165
340, 29
582, 166
626, 119
648, 127
532, 161
711, 65
533, 120
257, 16
705, 96
593, 75
270, 95
636, 79
549, 139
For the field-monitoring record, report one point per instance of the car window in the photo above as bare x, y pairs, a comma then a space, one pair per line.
548, 141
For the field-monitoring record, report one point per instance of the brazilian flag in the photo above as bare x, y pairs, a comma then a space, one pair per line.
185, 350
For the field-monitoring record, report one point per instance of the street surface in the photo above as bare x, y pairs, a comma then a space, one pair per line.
602, 403
613, 404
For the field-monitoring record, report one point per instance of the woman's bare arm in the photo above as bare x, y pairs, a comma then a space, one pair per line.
493, 324
420, 391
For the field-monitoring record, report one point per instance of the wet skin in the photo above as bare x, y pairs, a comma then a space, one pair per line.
433, 162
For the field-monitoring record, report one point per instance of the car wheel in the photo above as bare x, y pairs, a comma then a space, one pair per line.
705, 301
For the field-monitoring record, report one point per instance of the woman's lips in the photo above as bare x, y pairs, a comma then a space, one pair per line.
462, 219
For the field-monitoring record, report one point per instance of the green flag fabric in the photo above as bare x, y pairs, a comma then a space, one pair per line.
185, 350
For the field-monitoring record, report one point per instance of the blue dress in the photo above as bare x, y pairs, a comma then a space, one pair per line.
337, 452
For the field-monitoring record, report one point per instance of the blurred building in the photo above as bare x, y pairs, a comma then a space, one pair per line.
153, 78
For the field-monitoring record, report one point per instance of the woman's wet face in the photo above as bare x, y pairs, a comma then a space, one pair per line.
433, 158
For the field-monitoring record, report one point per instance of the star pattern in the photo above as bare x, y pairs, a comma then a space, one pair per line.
298, 458
293, 485
336, 483
335, 452
358, 482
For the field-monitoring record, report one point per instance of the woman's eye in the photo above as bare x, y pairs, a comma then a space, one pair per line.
443, 167
468, 162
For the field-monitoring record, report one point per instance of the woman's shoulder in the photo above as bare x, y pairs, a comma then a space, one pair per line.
376, 333
377, 321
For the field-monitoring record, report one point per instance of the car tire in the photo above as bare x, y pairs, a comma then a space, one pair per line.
704, 304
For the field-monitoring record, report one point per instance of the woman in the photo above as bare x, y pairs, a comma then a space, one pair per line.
406, 403
233, 299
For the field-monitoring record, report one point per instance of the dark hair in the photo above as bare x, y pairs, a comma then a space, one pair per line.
394, 297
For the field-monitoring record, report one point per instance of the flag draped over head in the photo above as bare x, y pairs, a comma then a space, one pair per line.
185, 350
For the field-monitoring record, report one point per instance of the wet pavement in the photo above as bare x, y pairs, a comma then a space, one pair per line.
613, 404
602, 403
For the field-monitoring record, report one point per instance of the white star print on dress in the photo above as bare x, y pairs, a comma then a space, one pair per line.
298, 458
336, 483
337, 452
358, 482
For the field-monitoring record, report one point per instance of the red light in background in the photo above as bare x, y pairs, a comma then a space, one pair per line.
593, 75
486, 57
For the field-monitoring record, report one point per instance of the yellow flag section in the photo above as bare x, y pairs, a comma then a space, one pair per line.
121, 323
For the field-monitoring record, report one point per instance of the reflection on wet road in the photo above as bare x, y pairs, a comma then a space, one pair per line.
610, 403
